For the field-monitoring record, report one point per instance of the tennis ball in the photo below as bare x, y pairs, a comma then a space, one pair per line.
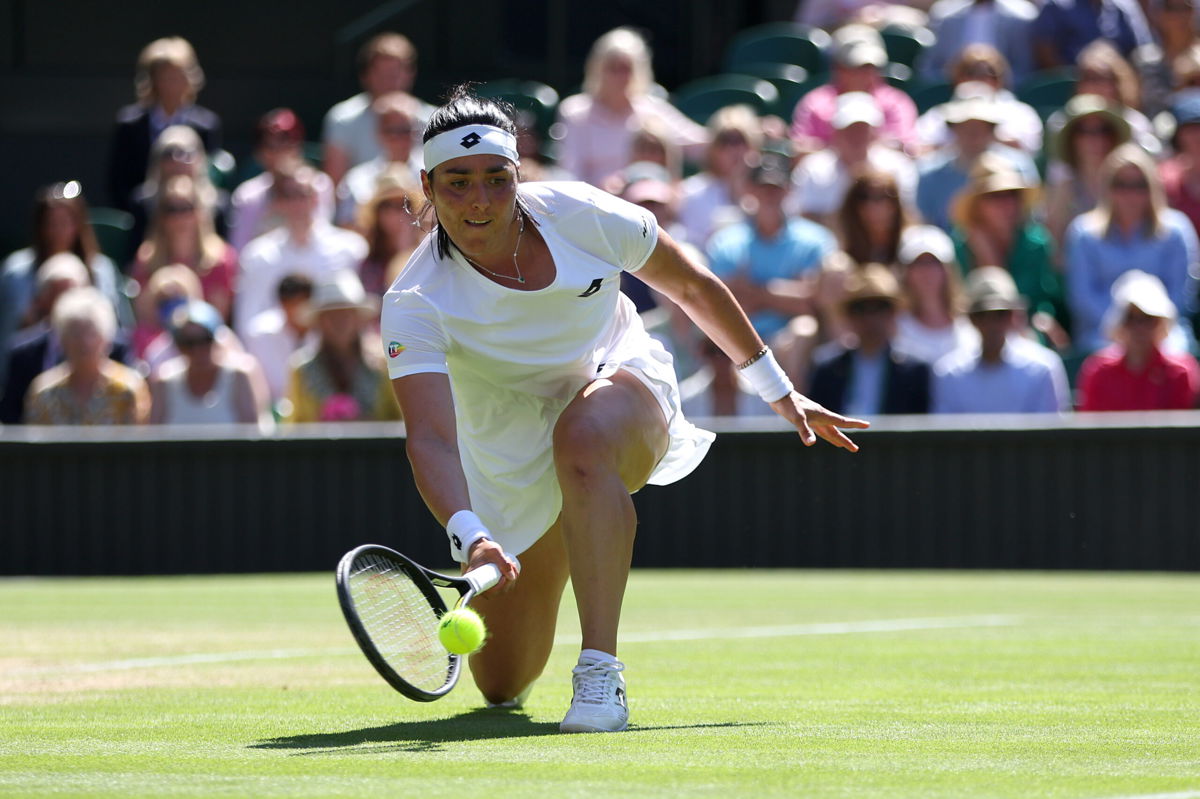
461, 631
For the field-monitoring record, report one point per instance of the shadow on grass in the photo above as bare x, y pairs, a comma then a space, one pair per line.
430, 735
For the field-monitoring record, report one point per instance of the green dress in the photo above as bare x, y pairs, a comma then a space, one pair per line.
1031, 264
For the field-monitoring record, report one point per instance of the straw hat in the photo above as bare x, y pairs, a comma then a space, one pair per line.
990, 288
871, 282
1082, 106
394, 183
991, 173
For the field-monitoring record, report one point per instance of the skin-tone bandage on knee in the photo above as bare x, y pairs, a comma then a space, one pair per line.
766, 376
464, 529
470, 140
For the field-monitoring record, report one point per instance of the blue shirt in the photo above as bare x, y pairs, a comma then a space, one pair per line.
941, 177
1095, 261
1071, 25
864, 394
796, 250
1028, 379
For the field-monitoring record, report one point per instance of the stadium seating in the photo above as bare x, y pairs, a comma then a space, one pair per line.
114, 233
782, 43
701, 98
525, 95
905, 45
1049, 90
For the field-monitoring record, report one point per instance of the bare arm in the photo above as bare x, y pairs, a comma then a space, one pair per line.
428, 408
335, 162
710, 304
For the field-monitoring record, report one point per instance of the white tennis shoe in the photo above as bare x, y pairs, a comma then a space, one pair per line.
598, 704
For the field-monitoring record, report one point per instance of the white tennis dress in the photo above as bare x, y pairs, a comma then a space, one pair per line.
517, 358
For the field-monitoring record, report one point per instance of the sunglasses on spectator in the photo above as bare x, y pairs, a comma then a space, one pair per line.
1130, 185
866, 307
730, 140
191, 342
1093, 130
878, 197
1136, 317
981, 71
177, 208
292, 194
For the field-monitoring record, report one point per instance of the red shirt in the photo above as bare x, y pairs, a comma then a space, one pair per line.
1178, 197
1169, 381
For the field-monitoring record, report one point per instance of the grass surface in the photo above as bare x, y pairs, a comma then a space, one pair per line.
1035, 685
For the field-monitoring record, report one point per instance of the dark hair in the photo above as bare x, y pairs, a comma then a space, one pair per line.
294, 286
463, 107
66, 195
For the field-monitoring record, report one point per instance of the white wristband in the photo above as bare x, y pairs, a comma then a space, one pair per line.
464, 529
767, 378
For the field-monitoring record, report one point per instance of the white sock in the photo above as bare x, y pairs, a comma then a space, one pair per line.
596, 656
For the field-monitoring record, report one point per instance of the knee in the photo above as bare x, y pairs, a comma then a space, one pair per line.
499, 685
582, 446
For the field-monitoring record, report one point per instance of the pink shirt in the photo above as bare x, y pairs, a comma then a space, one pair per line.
1178, 196
1170, 381
812, 130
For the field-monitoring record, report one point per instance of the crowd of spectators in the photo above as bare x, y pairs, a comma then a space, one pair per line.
982, 256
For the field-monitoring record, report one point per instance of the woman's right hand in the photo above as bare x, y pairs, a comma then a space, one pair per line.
486, 551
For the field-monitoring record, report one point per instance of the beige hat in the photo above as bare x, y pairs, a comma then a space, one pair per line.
973, 100
871, 282
1082, 106
395, 182
858, 45
991, 173
342, 289
990, 288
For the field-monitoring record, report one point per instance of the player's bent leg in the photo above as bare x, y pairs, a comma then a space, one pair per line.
521, 622
606, 444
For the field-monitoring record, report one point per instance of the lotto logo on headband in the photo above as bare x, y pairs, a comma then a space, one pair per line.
470, 140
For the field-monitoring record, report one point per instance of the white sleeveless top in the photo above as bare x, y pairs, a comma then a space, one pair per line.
516, 358
183, 407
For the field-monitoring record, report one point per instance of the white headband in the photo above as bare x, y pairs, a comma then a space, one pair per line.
470, 140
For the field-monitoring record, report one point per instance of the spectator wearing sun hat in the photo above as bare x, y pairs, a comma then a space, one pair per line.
1006, 372
994, 226
933, 321
1181, 172
859, 58
972, 117
822, 179
866, 374
340, 377
279, 146
1135, 373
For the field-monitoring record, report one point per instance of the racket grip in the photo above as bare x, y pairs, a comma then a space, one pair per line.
487, 575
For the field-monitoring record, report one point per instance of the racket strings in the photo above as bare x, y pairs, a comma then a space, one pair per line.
400, 621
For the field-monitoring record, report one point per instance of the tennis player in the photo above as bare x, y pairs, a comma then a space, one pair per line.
535, 401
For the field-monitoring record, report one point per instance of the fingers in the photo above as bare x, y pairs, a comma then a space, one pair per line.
836, 437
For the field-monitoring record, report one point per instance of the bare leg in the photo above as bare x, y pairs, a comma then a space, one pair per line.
606, 444
521, 621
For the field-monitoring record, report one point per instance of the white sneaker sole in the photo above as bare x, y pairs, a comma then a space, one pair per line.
579, 726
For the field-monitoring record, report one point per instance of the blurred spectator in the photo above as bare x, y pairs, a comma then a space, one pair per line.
994, 226
769, 262
1104, 73
388, 221
658, 197
1134, 374
1092, 129
1003, 26
341, 377
178, 152
204, 385
397, 119
182, 232
60, 225
386, 64
1130, 228
709, 199
301, 245
1064, 27
1006, 372
276, 333
932, 322
1019, 125
1173, 24
598, 125
278, 147
652, 143
972, 116
1180, 173
537, 162
830, 14
858, 60
168, 288
87, 388
167, 81
36, 348
821, 179
865, 374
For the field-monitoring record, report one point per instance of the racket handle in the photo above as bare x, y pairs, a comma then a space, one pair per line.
487, 575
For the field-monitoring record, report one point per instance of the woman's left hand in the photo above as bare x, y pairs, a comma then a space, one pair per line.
811, 420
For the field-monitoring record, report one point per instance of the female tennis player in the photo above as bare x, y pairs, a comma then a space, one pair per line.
535, 401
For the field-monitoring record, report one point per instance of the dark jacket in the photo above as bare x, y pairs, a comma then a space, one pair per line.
130, 150
905, 382
28, 360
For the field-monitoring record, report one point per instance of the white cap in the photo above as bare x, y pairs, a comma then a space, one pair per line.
917, 240
857, 45
1142, 291
973, 100
342, 289
854, 107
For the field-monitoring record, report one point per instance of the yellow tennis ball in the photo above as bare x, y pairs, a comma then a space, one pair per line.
461, 631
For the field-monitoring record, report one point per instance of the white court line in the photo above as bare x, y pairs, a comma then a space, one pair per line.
727, 633
1180, 795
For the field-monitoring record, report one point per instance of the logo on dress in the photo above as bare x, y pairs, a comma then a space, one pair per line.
470, 140
394, 349
593, 288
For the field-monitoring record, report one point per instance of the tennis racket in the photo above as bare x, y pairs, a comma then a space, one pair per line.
393, 606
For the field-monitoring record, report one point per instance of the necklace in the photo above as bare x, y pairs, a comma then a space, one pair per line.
519, 278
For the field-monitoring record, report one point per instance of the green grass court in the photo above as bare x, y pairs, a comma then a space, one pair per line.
787, 683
